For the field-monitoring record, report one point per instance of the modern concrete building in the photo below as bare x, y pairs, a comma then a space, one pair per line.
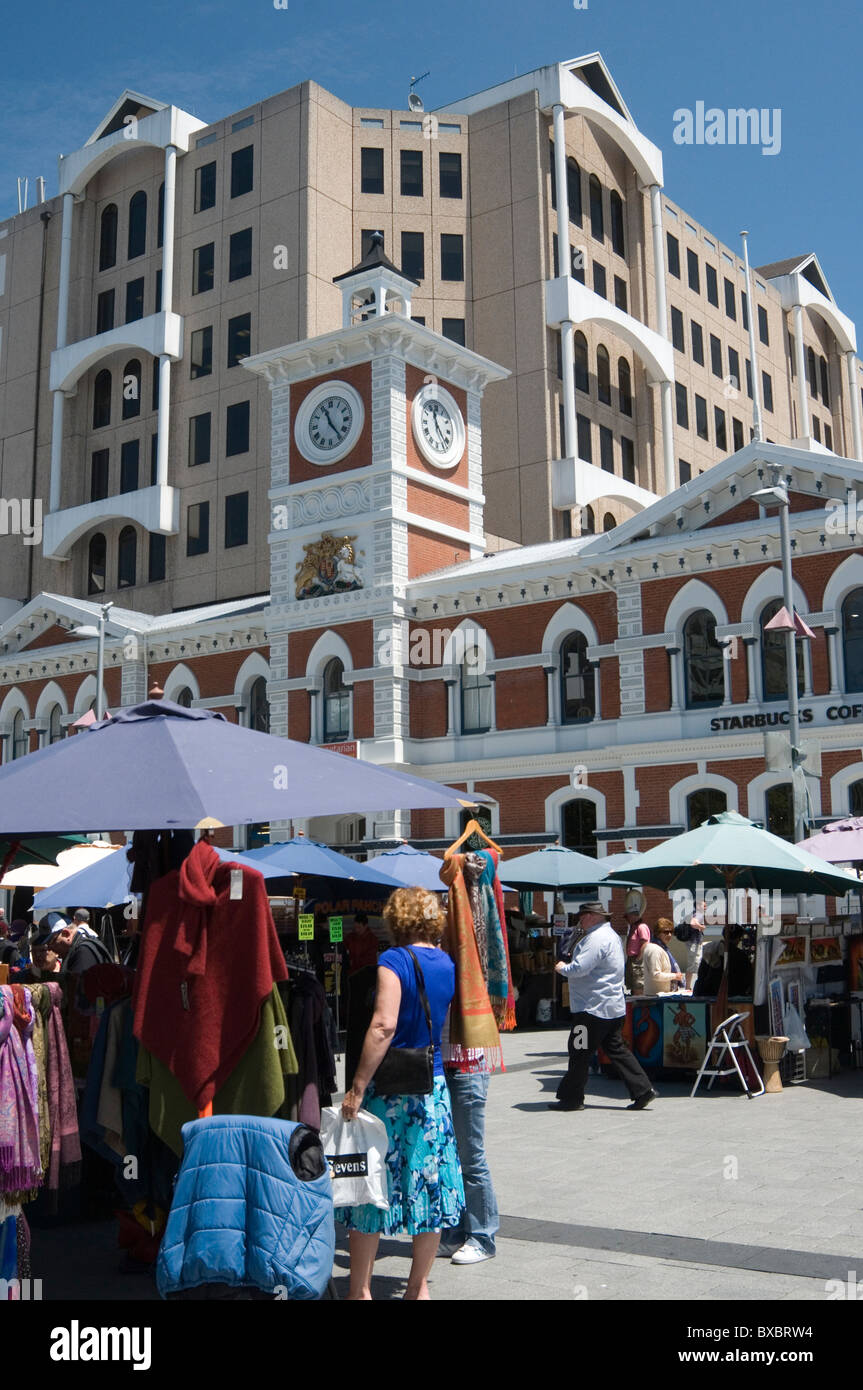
174, 249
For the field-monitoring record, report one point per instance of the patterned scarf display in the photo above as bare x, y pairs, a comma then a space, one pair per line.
64, 1169
20, 1165
473, 1037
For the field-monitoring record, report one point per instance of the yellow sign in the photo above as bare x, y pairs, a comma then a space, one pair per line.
306, 923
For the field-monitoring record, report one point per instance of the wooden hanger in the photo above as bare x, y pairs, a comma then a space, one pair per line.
473, 827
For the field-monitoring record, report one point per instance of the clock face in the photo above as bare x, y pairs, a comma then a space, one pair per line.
329, 422
438, 426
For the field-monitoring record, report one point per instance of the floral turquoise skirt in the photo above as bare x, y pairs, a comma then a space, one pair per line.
424, 1181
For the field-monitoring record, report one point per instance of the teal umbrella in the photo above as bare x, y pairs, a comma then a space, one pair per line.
551, 868
728, 851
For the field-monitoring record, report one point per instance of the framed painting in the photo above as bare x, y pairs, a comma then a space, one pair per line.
646, 1024
684, 1034
855, 965
776, 1000
826, 951
793, 951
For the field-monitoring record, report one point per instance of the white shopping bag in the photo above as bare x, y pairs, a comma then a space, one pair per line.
356, 1152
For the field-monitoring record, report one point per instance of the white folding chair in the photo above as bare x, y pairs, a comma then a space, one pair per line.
728, 1038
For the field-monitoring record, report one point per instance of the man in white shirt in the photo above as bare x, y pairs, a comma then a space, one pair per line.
598, 1006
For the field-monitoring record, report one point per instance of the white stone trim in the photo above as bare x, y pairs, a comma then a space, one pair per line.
840, 783
698, 782
181, 678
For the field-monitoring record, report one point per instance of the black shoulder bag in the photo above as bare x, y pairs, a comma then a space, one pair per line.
409, 1071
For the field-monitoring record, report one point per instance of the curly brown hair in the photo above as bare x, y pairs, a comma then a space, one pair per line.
414, 914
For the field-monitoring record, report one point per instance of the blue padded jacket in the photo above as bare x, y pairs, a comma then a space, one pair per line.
252, 1206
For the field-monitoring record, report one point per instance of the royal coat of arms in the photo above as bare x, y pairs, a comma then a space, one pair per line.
328, 567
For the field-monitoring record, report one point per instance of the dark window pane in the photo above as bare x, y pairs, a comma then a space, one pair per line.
582, 371
763, 331
105, 312
336, 703
366, 241
137, 244
242, 171
102, 400
734, 367
240, 255
702, 658
603, 375
779, 811
413, 255
813, 372
160, 217
96, 557
749, 378
682, 404
706, 802
617, 241
199, 439
715, 355
737, 433
99, 475
239, 338
677, 337
134, 300
767, 389
129, 458
476, 695
852, 644
157, 304
205, 187
720, 427
154, 458
454, 330
198, 528
450, 175
744, 310
371, 170
156, 566
576, 265
108, 237
201, 354
828, 437
155, 398
692, 271
237, 429
606, 448
236, 520
451, 256
816, 428
773, 662
730, 301
825, 382
701, 417
577, 695
673, 254
712, 285
624, 383
585, 445
411, 173
684, 471
620, 301
697, 343
203, 268
627, 455
573, 191
597, 225
578, 827
127, 558
599, 283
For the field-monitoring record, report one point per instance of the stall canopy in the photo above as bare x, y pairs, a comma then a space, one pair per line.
551, 868
729, 851
303, 856
412, 868
161, 766
840, 842
69, 861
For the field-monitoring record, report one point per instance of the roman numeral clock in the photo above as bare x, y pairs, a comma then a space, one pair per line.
329, 422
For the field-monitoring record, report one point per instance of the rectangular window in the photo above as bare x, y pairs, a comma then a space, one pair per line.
720, 428
454, 330
240, 254
134, 300
371, 169
205, 187
129, 458
606, 448
410, 125
576, 265
734, 368
412, 173
620, 294
242, 123
692, 270
673, 255
767, 388
627, 456
449, 128
749, 379
237, 429
585, 445
763, 331
684, 471
242, 171
677, 335
744, 310
366, 241
599, 282
451, 256
828, 437
413, 260
418, 318
825, 382
203, 268
711, 284
203, 140
158, 300
449, 165
701, 417
737, 433
201, 354
154, 452
105, 312
697, 343
236, 520
198, 528
730, 301
682, 405
156, 565
199, 439
715, 355
371, 122
99, 475
816, 428
239, 338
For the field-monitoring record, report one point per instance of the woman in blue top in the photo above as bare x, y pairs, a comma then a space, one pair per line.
425, 1188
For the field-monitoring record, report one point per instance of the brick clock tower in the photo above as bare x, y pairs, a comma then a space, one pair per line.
376, 478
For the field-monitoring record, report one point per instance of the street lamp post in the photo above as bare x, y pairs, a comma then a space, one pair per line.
99, 632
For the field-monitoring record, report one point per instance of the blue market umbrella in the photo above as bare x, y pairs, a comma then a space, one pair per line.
412, 868
161, 766
303, 856
552, 868
106, 883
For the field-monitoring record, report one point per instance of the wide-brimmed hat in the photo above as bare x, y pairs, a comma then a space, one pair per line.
593, 906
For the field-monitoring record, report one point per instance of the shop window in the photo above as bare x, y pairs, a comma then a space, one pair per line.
336, 700
774, 674
96, 556
578, 824
603, 375
779, 811
102, 400
700, 805
132, 389
259, 706
702, 661
852, 640
476, 694
127, 558
108, 237
577, 687
137, 243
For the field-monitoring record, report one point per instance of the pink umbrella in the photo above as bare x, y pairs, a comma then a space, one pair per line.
840, 842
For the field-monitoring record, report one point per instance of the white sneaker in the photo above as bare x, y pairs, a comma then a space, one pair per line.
470, 1254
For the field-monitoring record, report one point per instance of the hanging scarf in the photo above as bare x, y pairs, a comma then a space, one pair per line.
64, 1169
500, 990
20, 1166
473, 1038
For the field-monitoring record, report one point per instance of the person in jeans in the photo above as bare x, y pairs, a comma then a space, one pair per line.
597, 1002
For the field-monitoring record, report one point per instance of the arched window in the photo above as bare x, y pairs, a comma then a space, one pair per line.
20, 737
707, 801
184, 698
108, 237
160, 216
573, 191
588, 522
608, 522
774, 675
603, 375
476, 693
578, 823
624, 385
779, 811
597, 225
55, 727
582, 370
102, 399
702, 658
577, 691
616, 205
96, 555
259, 706
336, 698
137, 225
855, 799
131, 389
852, 640
127, 557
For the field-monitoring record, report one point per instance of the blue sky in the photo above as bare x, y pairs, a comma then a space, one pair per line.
65, 64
